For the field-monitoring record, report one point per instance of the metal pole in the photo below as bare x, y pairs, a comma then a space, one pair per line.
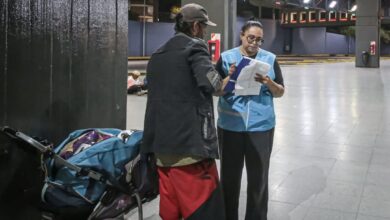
273, 14
144, 30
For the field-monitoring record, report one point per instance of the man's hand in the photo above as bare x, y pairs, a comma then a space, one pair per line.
226, 80
232, 69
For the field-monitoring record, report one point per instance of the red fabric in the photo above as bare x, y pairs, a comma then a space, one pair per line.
130, 81
184, 189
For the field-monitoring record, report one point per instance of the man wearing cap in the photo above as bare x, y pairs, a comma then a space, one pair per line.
179, 121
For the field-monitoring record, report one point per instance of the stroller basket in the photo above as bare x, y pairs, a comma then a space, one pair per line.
96, 175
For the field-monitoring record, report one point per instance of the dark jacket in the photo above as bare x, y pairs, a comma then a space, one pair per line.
179, 117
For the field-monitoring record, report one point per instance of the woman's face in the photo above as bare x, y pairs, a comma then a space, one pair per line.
251, 40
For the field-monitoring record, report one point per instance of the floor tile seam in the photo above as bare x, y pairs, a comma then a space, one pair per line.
344, 142
311, 205
284, 202
337, 210
324, 132
334, 160
332, 194
385, 218
356, 215
321, 157
382, 128
365, 181
377, 136
284, 180
350, 132
385, 200
375, 216
331, 142
296, 206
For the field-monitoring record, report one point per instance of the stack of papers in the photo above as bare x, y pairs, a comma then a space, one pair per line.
242, 81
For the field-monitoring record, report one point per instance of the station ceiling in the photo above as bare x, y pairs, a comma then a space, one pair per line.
343, 5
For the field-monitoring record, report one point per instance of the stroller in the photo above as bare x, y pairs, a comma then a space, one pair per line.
94, 174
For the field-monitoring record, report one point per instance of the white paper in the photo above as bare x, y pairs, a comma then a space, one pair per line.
246, 84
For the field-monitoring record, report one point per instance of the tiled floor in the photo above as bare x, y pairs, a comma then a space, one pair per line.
331, 157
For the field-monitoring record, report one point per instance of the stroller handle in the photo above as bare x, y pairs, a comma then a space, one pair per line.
42, 148
47, 150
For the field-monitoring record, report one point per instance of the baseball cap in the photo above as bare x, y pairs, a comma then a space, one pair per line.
194, 12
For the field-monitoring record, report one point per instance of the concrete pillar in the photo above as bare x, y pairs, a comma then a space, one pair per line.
367, 32
224, 14
63, 65
260, 9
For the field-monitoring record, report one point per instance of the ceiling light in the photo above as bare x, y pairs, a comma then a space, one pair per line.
306, 1
354, 8
332, 4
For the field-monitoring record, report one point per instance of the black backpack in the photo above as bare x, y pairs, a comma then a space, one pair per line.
143, 187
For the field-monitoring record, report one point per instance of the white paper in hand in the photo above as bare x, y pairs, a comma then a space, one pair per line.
246, 84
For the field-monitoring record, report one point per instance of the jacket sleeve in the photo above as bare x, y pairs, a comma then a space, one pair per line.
206, 76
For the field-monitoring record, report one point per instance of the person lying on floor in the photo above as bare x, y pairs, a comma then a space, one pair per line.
134, 84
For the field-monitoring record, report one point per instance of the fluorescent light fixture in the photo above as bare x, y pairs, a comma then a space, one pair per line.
354, 8
306, 1
332, 4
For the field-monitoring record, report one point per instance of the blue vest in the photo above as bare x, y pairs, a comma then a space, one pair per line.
247, 113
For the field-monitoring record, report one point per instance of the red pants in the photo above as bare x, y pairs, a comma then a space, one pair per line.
190, 192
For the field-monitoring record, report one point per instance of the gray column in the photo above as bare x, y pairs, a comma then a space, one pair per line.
63, 65
224, 14
367, 31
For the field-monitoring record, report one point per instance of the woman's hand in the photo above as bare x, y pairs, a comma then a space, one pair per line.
263, 79
276, 89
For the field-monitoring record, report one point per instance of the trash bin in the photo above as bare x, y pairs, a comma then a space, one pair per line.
365, 57
287, 48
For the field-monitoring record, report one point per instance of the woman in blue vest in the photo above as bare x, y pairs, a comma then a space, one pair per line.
246, 126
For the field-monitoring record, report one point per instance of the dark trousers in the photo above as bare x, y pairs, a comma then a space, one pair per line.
135, 88
255, 149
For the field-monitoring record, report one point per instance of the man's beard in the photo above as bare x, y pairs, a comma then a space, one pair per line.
200, 34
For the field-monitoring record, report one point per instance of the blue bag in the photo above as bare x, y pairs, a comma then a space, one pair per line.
108, 156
